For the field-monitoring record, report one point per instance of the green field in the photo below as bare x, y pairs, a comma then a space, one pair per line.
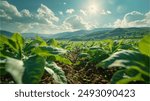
36, 61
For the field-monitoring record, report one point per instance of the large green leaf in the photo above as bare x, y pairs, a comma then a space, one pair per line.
13, 46
57, 73
52, 42
98, 58
34, 69
42, 42
48, 50
144, 45
59, 58
135, 65
31, 44
19, 40
14, 67
83, 55
125, 58
117, 76
6, 52
11, 43
127, 76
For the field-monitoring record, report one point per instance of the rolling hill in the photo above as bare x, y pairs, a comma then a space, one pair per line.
98, 33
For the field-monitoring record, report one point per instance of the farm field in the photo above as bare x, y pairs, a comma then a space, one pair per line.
50, 61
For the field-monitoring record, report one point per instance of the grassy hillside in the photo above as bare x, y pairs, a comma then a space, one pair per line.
95, 34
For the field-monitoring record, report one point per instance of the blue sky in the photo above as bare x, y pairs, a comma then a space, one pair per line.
55, 16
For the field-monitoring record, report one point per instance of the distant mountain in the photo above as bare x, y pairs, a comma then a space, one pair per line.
79, 34
9, 34
25, 35
98, 33
64, 35
103, 33
29, 35
129, 31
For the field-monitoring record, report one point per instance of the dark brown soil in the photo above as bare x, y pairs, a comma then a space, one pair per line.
80, 75
74, 75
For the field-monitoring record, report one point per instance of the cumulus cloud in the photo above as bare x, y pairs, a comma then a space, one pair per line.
147, 18
10, 10
133, 16
77, 22
26, 13
83, 12
24, 20
86, 12
61, 13
108, 12
134, 19
43, 21
43, 15
46, 13
4, 16
70, 11
37, 28
104, 12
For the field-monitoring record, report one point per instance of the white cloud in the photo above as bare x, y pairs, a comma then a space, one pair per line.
4, 15
23, 28
10, 10
61, 13
105, 12
147, 15
25, 21
65, 3
134, 19
133, 16
45, 13
147, 18
86, 12
108, 12
26, 13
70, 11
76, 22
41, 28
83, 12
43, 21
